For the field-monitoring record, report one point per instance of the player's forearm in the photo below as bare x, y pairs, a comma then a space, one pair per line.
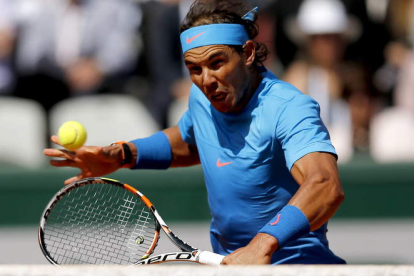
320, 192
319, 198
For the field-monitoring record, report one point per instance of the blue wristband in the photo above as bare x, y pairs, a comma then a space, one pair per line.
154, 152
289, 225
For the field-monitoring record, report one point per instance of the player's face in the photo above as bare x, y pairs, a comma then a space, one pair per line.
221, 74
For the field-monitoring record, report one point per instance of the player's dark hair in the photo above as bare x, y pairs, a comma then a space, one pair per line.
205, 12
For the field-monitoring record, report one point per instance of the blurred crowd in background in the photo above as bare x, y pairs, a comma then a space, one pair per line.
355, 57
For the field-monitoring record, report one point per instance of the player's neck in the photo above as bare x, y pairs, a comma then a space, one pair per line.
255, 79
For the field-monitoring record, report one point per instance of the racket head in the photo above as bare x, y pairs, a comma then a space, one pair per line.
98, 221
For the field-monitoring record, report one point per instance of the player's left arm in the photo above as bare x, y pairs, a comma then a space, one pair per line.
318, 197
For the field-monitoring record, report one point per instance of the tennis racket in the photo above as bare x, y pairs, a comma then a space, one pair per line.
104, 221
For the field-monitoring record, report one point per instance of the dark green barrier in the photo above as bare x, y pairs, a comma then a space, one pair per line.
178, 193
376, 191
372, 191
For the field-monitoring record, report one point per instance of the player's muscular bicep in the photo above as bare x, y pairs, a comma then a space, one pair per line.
183, 153
320, 192
314, 164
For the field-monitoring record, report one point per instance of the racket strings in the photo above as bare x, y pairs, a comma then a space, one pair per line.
99, 224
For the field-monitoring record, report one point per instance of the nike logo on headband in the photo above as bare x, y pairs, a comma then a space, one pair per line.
189, 40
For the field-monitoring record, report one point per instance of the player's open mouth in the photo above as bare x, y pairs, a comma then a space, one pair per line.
219, 97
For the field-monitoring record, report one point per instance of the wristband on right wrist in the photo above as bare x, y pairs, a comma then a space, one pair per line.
288, 225
153, 152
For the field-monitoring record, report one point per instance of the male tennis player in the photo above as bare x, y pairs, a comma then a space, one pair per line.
269, 166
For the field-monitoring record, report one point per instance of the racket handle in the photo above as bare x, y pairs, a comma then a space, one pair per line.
209, 258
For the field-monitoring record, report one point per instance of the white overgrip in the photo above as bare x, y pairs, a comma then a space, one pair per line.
209, 258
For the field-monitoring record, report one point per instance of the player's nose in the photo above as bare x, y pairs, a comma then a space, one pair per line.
208, 80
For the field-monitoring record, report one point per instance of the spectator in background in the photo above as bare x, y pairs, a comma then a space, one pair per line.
74, 47
392, 129
163, 53
395, 78
404, 94
7, 37
367, 49
321, 30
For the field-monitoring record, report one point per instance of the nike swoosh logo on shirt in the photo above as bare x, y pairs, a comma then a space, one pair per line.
219, 164
189, 40
276, 221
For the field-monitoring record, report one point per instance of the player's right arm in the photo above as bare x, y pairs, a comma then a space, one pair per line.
97, 161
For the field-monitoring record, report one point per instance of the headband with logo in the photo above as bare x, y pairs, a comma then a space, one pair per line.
216, 34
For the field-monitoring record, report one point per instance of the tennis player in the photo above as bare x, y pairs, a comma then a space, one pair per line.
269, 165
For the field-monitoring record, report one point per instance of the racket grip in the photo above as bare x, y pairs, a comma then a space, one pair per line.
209, 258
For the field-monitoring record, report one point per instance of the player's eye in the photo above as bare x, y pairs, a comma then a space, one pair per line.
194, 70
216, 64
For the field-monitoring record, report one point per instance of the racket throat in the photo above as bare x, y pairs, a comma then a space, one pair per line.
183, 246
153, 245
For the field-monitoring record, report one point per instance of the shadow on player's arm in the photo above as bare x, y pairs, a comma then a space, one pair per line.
98, 161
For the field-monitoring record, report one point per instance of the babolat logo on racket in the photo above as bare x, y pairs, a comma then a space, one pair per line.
174, 256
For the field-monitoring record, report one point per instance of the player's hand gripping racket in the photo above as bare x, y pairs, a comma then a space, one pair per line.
103, 221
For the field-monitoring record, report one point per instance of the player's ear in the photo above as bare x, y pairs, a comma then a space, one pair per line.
249, 51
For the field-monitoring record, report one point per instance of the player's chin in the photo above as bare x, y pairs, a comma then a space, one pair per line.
223, 106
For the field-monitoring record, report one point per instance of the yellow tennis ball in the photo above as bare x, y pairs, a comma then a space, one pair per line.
72, 135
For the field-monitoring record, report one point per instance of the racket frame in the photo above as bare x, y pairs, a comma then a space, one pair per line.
187, 253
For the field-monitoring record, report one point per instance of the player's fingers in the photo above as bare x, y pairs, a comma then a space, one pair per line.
52, 152
55, 139
62, 163
59, 153
224, 261
73, 179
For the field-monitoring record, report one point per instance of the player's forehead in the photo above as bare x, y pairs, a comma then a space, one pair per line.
205, 53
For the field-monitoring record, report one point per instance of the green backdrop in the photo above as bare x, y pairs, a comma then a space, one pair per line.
372, 191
